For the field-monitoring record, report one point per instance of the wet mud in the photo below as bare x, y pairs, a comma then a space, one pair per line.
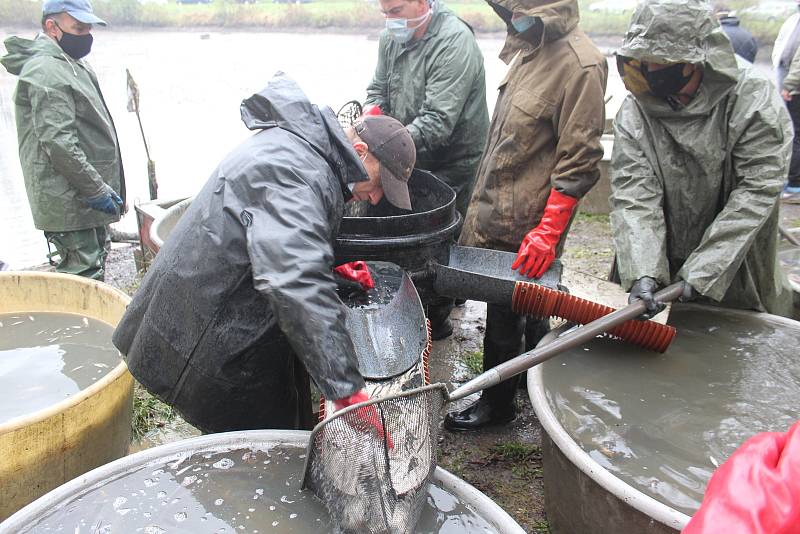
47, 357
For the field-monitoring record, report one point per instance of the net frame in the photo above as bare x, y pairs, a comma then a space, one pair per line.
367, 485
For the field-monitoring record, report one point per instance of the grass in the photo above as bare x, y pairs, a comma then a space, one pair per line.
337, 14
473, 361
515, 451
148, 413
541, 527
594, 218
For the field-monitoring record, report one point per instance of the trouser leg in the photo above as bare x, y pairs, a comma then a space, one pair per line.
81, 252
794, 166
302, 384
501, 342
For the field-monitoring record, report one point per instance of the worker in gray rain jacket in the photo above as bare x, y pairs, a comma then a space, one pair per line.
701, 152
68, 145
541, 157
430, 77
241, 300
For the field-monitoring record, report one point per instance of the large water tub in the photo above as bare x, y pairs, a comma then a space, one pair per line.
632, 437
43, 449
149, 481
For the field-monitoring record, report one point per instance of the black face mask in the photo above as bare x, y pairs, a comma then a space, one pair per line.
76, 46
668, 81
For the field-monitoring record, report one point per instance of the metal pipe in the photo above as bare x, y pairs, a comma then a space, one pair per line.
570, 340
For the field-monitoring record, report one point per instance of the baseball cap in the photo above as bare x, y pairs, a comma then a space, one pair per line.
81, 10
391, 144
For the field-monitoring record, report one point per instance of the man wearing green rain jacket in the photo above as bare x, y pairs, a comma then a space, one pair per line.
68, 145
430, 77
701, 153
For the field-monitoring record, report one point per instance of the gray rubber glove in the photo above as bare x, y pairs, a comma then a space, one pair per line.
644, 289
689, 293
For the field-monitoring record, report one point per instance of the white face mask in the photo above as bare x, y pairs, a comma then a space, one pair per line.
363, 159
402, 30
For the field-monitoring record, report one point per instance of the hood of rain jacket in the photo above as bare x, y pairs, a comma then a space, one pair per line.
695, 190
436, 86
247, 272
68, 145
546, 128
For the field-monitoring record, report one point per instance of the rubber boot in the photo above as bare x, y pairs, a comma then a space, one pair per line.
501, 342
535, 330
439, 315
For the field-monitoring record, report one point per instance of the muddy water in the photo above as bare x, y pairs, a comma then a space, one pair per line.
664, 422
46, 357
225, 492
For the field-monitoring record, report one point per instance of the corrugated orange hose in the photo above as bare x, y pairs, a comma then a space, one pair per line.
542, 302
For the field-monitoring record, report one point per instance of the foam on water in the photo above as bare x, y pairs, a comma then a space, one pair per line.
664, 422
233, 491
45, 357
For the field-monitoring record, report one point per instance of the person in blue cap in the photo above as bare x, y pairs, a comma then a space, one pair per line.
68, 145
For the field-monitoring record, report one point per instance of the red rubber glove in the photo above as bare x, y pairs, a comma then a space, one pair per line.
357, 271
538, 248
371, 109
364, 417
756, 491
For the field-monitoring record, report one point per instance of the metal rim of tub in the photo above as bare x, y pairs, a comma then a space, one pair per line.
640, 501
487, 508
73, 400
155, 236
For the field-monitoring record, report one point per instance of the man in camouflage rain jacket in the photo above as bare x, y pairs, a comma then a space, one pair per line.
701, 152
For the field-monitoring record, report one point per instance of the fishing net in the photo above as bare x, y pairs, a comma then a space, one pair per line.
348, 113
373, 481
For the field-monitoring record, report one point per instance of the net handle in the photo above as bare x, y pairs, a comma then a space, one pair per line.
570, 340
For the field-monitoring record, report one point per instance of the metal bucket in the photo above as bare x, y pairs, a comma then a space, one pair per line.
44, 449
25, 520
583, 496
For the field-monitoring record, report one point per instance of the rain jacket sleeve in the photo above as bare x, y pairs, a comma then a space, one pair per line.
377, 88
637, 214
54, 124
450, 73
291, 263
579, 124
760, 171
792, 81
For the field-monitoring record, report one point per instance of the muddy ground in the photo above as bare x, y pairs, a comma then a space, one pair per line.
503, 462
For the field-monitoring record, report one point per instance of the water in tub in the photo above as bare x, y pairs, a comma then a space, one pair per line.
46, 357
664, 422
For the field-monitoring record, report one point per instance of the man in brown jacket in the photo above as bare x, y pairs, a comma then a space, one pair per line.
541, 156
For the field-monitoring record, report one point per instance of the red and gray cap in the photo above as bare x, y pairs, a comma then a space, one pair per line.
391, 144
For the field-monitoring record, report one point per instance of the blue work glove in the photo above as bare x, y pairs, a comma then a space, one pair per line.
108, 202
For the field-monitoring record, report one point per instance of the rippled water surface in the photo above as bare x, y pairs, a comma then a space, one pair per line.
235, 491
46, 357
664, 422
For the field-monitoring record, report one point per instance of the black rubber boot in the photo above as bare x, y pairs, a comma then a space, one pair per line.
439, 315
535, 330
479, 415
502, 341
